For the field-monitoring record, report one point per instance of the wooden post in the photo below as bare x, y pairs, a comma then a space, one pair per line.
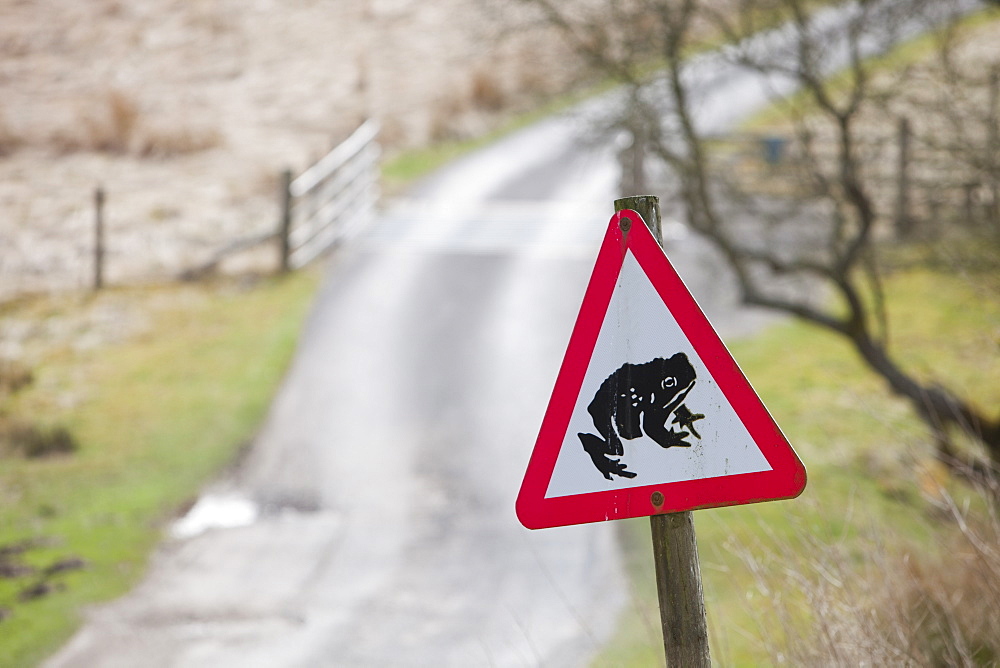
969, 188
904, 222
285, 225
98, 238
678, 588
675, 552
993, 146
648, 206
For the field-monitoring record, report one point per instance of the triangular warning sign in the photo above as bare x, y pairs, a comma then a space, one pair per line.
650, 413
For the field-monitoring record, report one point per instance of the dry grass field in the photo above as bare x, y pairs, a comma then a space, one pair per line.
185, 111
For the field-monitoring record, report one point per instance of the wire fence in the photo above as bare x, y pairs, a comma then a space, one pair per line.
102, 244
919, 183
331, 199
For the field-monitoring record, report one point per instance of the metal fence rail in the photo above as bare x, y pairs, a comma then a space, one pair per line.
331, 199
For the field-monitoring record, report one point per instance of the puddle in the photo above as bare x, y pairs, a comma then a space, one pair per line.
216, 511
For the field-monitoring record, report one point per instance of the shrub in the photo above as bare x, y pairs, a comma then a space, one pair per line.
14, 376
487, 93
115, 124
38, 442
876, 605
9, 140
163, 142
110, 129
33, 442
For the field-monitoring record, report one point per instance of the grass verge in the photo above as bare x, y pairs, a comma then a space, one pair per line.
159, 402
407, 167
870, 476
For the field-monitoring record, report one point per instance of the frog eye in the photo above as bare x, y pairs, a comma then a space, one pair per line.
668, 382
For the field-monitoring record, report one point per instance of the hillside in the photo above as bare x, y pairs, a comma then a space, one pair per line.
186, 112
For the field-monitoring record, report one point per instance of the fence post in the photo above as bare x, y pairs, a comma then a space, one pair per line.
993, 145
285, 225
904, 221
98, 238
675, 552
969, 189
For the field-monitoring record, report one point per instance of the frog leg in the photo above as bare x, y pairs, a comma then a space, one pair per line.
599, 449
686, 419
603, 411
666, 438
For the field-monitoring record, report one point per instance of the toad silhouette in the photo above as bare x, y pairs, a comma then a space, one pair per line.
637, 399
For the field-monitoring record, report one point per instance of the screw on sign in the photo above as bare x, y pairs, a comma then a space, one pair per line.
651, 416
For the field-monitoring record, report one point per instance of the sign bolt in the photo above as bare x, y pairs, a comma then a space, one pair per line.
657, 499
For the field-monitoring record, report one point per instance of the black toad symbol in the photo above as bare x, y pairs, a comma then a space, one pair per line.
655, 391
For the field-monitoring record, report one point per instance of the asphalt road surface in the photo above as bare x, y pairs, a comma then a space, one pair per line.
373, 522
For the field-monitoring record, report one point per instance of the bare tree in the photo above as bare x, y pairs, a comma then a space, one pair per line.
824, 225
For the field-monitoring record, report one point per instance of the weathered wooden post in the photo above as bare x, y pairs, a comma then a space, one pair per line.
285, 224
993, 144
904, 221
98, 238
675, 551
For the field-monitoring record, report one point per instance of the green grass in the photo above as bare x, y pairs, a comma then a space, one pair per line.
155, 416
406, 167
866, 455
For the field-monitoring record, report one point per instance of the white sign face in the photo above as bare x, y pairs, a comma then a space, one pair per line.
639, 328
